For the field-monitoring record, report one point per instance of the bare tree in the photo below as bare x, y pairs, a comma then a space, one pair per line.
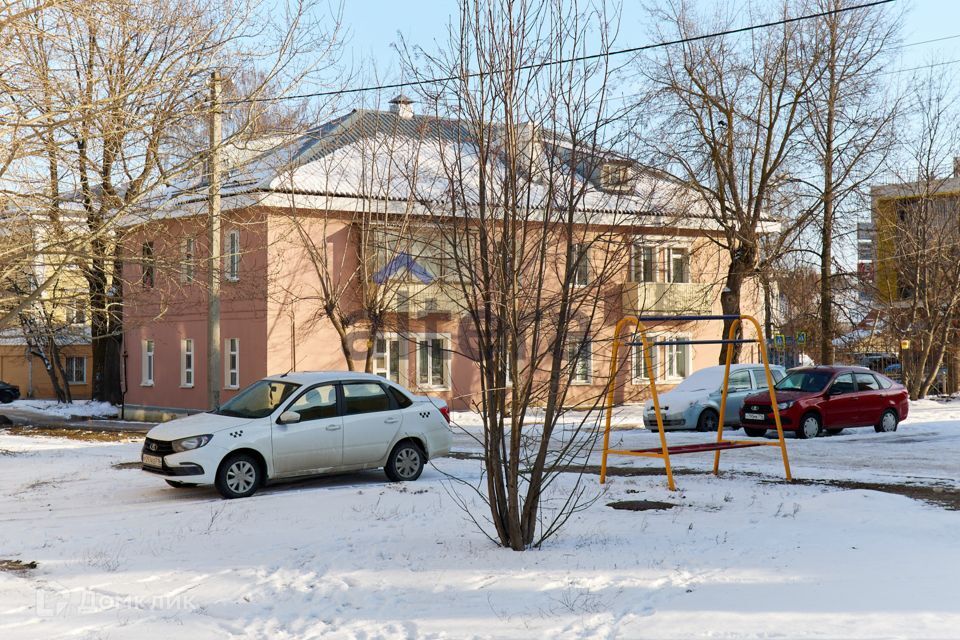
728, 113
110, 94
525, 196
849, 127
366, 257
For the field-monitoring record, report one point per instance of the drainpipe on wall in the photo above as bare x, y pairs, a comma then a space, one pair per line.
123, 391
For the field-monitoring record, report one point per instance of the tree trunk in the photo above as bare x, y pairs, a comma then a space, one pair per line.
742, 265
826, 239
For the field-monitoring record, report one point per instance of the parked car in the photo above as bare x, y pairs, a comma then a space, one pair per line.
695, 402
8, 392
813, 399
298, 425
879, 362
895, 373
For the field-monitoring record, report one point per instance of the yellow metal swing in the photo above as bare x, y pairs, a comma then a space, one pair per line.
663, 451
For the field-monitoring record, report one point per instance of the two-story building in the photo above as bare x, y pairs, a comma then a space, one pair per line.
344, 220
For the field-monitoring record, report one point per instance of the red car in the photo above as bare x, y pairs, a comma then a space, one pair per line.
814, 399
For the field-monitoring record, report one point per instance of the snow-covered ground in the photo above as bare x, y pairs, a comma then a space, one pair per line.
121, 555
75, 409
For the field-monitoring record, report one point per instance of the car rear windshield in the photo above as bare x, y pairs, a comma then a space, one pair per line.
804, 381
258, 400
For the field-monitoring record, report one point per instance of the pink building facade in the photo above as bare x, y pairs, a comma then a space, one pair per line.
272, 319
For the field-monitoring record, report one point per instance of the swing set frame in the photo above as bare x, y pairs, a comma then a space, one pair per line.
663, 451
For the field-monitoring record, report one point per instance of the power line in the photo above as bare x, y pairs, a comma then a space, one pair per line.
932, 40
584, 58
924, 66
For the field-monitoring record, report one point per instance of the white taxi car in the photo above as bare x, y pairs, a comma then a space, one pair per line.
301, 424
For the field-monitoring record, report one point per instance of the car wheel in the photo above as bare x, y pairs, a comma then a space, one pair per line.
810, 426
179, 485
888, 422
708, 420
6, 397
239, 476
834, 432
754, 432
405, 463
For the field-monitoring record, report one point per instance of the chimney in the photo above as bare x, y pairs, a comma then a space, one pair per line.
401, 106
956, 166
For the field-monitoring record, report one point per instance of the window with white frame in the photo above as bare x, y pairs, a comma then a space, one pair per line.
433, 370
643, 263
641, 373
580, 358
186, 362
678, 265
146, 373
581, 265
76, 370
386, 357
187, 257
676, 358
231, 364
233, 256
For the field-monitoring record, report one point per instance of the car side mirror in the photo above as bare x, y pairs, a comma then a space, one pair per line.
289, 417
835, 391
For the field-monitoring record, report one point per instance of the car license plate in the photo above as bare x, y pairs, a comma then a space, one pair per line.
152, 461
754, 416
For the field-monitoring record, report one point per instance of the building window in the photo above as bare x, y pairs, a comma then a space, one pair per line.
432, 368
641, 374
615, 176
386, 357
187, 256
186, 363
231, 364
147, 264
76, 370
77, 312
678, 265
233, 256
643, 263
146, 374
581, 265
580, 357
677, 358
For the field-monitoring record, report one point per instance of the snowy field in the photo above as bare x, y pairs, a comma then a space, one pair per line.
121, 555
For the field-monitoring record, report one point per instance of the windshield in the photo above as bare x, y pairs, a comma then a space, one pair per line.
804, 381
258, 400
705, 379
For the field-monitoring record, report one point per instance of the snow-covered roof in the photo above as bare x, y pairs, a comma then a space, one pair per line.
416, 163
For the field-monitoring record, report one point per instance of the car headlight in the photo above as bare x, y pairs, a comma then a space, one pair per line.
783, 406
188, 444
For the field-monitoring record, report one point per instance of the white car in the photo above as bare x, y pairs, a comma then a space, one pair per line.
301, 424
695, 402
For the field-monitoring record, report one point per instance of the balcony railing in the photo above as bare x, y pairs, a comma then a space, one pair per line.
417, 299
667, 297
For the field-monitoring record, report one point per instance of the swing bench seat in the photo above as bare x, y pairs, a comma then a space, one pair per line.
657, 452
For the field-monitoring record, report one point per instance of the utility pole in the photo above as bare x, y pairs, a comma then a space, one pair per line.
214, 371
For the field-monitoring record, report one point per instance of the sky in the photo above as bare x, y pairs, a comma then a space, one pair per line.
375, 25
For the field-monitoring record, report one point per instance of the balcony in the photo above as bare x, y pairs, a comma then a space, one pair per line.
418, 300
667, 297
